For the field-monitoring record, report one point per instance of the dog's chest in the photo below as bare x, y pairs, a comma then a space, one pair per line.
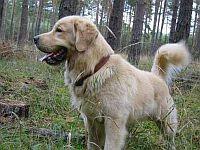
87, 97
91, 106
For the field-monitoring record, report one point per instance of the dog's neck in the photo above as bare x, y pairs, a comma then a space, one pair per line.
101, 63
86, 63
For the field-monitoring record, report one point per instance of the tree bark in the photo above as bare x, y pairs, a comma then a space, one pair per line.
195, 22
23, 25
12, 30
115, 24
1, 13
100, 26
43, 132
33, 20
53, 16
109, 8
21, 109
97, 12
4, 24
184, 20
67, 8
134, 51
39, 17
163, 19
158, 26
157, 4
130, 16
197, 37
146, 30
173, 21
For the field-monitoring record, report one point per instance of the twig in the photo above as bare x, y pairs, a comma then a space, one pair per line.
111, 32
121, 49
187, 80
95, 145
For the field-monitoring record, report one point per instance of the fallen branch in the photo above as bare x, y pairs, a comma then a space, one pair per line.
43, 132
187, 80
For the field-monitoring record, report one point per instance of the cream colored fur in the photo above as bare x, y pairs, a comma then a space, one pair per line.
170, 59
118, 94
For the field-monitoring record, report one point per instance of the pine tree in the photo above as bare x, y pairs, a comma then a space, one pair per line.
23, 25
1, 13
184, 20
68, 7
39, 17
134, 52
115, 24
175, 5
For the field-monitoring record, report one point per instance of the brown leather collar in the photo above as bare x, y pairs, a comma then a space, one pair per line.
98, 66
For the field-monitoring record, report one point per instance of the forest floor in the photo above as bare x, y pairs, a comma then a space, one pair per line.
42, 87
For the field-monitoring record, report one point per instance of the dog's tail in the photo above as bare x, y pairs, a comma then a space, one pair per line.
170, 59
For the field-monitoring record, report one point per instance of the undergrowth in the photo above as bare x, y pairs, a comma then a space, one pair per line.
42, 87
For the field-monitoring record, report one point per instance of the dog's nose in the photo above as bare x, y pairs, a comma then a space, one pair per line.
36, 39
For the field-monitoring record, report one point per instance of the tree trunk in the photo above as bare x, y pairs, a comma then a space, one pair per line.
158, 25
33, 20
173, 21
157, 4
197, 37
97, 13
1, 13
67, 8
195, 22
12, 29
134, 52
101, 17
4, 18
184, 20
53, 16
101, 22
109, 8
104, 10
115, 24
39, 17
166, 29
80, 7
146, 35
23, 25
130, 17
163, 20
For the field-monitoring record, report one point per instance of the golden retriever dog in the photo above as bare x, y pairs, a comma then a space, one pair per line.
110, 93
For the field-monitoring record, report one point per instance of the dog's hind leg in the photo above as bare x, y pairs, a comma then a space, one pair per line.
168, 125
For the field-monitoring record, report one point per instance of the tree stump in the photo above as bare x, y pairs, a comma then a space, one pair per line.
9, 108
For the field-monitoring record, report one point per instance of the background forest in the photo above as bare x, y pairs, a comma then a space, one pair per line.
151, 22
132, 27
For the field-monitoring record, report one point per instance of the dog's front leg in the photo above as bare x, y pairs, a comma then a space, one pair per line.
115, 130
96, 134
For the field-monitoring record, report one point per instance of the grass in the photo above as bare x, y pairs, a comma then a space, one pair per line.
42, 86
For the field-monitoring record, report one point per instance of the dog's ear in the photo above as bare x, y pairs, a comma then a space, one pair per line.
85, 34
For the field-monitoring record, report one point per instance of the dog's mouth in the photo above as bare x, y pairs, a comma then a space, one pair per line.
56, 57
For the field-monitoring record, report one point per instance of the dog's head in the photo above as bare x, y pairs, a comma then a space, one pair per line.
69, 34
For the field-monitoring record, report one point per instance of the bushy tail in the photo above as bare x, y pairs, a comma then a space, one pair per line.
170, 59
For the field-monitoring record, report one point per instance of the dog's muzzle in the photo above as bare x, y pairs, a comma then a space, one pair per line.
52, 57
56, 57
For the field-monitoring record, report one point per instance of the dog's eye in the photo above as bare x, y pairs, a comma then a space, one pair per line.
58, 30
